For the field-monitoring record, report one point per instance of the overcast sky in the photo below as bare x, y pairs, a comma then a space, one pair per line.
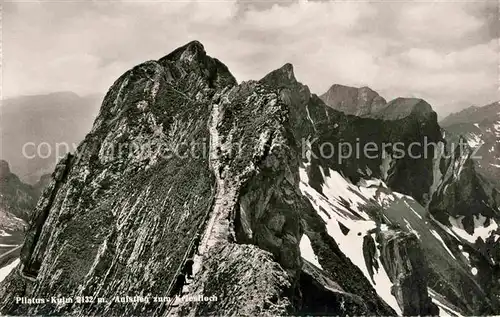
446, 52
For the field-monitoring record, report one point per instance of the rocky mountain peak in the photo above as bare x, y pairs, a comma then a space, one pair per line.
487, 114
4, 168
194, 55
362, 101
193, 50
403, 107
368, 91
281, 76
288, 69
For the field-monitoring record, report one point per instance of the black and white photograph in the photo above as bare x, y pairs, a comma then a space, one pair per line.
250, 158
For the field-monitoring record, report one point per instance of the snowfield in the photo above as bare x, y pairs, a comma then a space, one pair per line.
445, 309
307, 252
7, 269
474, 140
341, 206
434, 233
480, 230
4, 234
497, 128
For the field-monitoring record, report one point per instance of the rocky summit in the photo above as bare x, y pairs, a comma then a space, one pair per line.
363, 102
253, 185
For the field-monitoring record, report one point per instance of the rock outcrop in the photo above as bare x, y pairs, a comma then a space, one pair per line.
16, 198
403, 258
480, 128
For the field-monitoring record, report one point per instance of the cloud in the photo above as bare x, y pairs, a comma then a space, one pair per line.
466, 59
435, 22
445, 52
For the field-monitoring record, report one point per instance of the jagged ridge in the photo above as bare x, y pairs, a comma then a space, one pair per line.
127, 222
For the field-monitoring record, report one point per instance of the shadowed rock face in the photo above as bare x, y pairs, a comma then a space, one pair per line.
402, 256
17, 201
403, 107
16, 198
122, 222
322, 297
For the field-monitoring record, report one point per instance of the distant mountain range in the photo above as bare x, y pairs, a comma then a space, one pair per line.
480, 126
40, 122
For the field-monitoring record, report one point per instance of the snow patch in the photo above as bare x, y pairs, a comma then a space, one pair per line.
333, 210
4, 271
435, 234
474, 140
343, 193
4, 234
372, 182
385, 199
307, 252
497, 126
480, 231
458, 165
444, 309
383, 284
408, 226
446, 229
309, 117
413, 210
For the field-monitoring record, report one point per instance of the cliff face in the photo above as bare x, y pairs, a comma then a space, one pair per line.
183, 162
402, 257
16, 197
480, 128
110, 217
17, 201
